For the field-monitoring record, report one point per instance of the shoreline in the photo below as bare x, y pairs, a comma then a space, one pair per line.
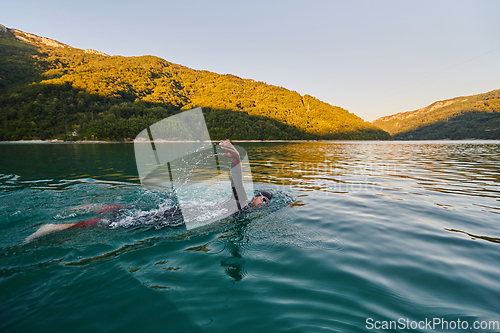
261, 141
162, 141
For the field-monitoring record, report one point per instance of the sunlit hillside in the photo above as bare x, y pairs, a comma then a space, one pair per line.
468, 117
51, 90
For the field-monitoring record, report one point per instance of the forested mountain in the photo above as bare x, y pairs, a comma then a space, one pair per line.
51, 90
469, 117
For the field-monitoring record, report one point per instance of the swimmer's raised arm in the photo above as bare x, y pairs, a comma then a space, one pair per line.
262, 198
239, 193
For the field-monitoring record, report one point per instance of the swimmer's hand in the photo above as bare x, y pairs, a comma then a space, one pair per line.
231, 151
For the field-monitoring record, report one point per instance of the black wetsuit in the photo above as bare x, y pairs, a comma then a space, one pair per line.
239, 197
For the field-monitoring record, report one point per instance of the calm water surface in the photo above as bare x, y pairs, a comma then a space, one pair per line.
381, 230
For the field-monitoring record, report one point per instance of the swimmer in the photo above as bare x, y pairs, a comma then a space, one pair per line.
260, 199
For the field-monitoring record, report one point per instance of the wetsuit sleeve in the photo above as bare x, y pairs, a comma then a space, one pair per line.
239, 193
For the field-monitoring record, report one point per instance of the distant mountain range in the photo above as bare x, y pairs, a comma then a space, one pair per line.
469, 117
50, 90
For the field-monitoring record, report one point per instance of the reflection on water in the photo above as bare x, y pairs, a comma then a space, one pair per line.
463, 168
486, 238
356, 230
109, 161
235, 264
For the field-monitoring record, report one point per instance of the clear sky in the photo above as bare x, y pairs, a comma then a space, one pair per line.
373, 58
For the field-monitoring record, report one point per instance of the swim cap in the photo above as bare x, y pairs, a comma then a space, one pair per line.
267, 194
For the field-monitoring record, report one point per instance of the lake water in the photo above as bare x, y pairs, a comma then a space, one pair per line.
359, 234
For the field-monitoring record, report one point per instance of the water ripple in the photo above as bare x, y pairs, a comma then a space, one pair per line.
356, 230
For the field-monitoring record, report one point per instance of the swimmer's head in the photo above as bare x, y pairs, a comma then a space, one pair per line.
262, 198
